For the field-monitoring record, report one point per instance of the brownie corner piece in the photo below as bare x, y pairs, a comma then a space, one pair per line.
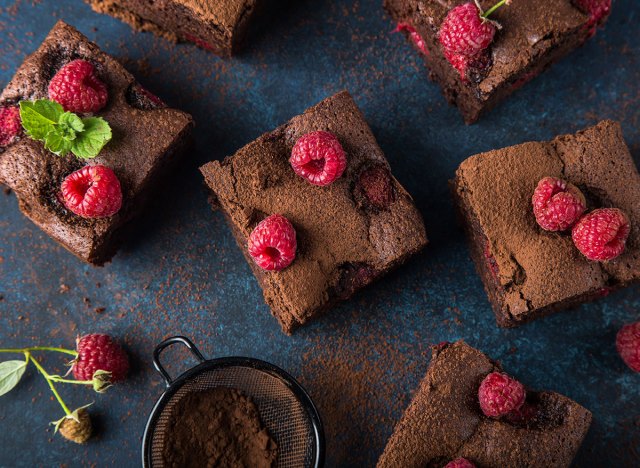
219, 26
444, 420
532, 36
528, 272
148, 139
349, 233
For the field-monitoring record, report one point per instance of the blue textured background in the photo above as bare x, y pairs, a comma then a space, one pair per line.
183, 273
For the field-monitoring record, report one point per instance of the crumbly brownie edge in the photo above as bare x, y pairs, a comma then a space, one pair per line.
470, 102
410, 429
209, 35
476, 241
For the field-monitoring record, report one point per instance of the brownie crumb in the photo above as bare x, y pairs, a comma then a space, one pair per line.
99, 310
217, 427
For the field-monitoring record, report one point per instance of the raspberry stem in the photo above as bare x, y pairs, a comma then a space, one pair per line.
39, 348
58, 379
48, 379
494, 8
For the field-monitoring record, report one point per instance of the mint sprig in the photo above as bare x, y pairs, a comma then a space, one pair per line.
63, 132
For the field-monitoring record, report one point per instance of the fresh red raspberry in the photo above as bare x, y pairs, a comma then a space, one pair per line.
10, 125
628, 344
99, 352
602, 234
272, 244
92, 192
318, 157
460, 463
499, 395
596, 9
414, 36
465, 32
77, 88
459, 62
557, 204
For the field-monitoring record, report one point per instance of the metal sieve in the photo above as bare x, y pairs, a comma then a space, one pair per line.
284, 406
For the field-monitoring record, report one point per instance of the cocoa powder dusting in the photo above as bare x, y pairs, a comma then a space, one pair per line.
217, 427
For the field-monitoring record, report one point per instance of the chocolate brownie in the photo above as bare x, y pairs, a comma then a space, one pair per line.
528, 272
148, 138
444, 421
534, 34
349, 233
215, 25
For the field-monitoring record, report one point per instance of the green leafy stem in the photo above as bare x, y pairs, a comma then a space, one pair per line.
495, 7
12, 371
63, 132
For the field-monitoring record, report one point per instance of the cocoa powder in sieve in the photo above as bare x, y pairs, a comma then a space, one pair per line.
220, 427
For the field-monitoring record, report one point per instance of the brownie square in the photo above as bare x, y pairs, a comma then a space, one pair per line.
534, 34
345, 240
528, 272
216, 25
444, 421
147, 139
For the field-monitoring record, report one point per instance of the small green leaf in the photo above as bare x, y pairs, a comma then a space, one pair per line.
10, 374
57, 142
39, 117
71, 120
90, 142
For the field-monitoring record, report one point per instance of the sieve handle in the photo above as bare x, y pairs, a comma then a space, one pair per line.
183, 340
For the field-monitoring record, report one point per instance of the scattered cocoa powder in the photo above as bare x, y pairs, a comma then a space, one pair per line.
217, 427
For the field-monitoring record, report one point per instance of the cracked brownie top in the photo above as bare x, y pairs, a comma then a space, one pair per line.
348, 232
537, 268
444, 421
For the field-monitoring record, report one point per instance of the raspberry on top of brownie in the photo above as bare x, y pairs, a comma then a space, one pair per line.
82, 144
467, 412
528, 270
481, 52
315, 210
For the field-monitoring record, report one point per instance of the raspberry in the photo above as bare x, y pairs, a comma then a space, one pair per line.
414, 36
628, 344
92, 192
78, 431
602, 234
377, 187
465, 32
10, 125
557, 204
500, 395
99, 352
459, 62
199, 42
141, 98
318, 157
272, 244
491, 261
596, 9
460, 463
77, 88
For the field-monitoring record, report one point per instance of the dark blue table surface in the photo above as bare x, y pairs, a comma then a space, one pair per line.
183, 274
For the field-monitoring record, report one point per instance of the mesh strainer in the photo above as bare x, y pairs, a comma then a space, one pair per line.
284, 406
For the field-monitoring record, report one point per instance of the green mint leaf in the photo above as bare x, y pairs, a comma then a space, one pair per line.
10, 374
58, 142
90, 142
70, 124
39, 117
